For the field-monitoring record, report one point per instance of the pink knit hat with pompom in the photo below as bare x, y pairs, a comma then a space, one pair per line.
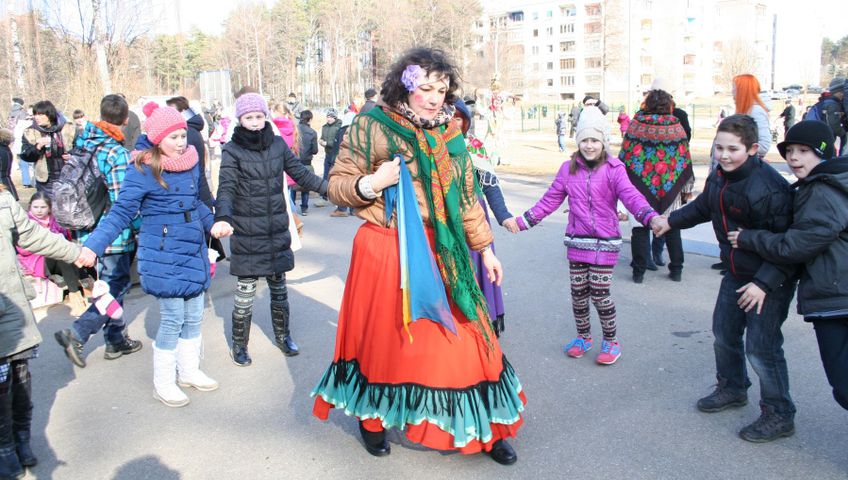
161, 121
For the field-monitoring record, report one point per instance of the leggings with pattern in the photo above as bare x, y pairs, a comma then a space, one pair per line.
593, 282
246, 290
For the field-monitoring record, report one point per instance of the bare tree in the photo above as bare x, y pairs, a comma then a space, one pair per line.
738, 56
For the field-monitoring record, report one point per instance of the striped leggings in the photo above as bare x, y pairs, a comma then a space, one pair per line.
246, 290
592, 282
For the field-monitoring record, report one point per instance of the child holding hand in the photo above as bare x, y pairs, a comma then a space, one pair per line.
593, 181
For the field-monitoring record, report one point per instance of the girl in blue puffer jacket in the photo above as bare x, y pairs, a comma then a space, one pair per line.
173, 260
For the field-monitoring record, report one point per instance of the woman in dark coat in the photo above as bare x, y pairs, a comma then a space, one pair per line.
6, 157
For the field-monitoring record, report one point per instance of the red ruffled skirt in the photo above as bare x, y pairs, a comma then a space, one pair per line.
448, 392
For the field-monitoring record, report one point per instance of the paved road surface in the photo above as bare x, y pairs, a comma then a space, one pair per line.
635, 419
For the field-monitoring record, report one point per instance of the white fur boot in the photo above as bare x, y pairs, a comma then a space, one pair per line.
188, 366
165, 378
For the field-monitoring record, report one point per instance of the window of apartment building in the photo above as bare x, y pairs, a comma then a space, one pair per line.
550, 65
550, 49
566, 63
568, 10
566, 28
593, 46
646, 61
516, 16
593, 9
549, 13
689, 59
593, 62
535, 67
593, 80
566, 80
761, 10
478, 38
535, 15
649, 4
535, 32
594, 27
534, 50
567, 46
550, 31
478, 24
550, 82
647, 25
646, 79
566, 96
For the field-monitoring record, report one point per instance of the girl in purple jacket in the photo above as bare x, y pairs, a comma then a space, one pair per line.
594, 182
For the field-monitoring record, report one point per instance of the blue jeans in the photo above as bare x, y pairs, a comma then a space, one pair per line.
26, 173
114, 270
763, 344
561, 139
329, 161
180, 319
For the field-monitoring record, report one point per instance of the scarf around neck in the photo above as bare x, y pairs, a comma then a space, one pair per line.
181, 163
440, 155
256, 140
656, 153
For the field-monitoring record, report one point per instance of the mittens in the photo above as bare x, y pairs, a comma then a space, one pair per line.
213, 259
104, 301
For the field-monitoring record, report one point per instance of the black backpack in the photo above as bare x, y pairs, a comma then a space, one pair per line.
80, 196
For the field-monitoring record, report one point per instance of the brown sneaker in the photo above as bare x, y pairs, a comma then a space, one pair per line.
338, 213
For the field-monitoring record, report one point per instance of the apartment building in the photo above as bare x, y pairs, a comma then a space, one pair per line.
553, 51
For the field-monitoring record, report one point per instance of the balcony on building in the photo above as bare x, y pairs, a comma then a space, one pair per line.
593, 10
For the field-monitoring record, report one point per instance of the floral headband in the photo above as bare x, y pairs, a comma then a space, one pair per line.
414, 76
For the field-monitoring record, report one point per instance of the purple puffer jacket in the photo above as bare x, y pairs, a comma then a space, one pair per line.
592, 235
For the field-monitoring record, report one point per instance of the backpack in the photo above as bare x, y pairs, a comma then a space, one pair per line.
816, 112
80, 196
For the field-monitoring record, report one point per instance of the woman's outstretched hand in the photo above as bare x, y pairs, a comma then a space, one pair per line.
494, 270
511, 225
386, 175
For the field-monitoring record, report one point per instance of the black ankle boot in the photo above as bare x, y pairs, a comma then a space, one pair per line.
503, 453
24, 451
375, 442
282, 334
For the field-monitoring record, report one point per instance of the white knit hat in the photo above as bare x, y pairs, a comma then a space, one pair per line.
593, 124
660, 84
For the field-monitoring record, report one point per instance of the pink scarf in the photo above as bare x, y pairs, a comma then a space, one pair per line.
182, 163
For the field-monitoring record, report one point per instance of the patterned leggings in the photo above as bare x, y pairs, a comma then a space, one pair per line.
592, 281
246, 290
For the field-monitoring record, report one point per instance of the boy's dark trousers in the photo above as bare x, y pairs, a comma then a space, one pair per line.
832, 335
763, 344
15, 412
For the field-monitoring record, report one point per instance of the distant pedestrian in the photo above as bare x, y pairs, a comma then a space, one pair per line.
328, 141
788, 116
623, 121
593, 181
307, 148
6, 160
560, 124
370, 100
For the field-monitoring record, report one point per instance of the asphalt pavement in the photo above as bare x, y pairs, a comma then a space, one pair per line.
635, 419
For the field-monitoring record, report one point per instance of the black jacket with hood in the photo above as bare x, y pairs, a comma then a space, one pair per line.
818, 237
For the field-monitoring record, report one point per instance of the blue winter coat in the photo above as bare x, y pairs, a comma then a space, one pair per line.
172, 253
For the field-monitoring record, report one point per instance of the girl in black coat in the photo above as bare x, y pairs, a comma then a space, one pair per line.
816, 238
251, 207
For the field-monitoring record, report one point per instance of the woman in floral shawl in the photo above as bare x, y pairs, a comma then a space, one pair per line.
656, 152
436, 372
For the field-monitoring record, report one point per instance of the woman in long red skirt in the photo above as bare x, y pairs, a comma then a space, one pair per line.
439, 375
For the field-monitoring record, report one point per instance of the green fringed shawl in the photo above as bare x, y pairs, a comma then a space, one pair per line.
442, 160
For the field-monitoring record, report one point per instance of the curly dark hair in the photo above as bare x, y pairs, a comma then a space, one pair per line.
431, 60
659, 102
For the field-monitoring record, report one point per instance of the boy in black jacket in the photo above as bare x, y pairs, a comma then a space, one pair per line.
817, 238
744, 192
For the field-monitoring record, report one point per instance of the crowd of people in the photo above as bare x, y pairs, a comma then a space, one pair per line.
417, 344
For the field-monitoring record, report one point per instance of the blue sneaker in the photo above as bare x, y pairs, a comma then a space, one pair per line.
578, 347
610, 351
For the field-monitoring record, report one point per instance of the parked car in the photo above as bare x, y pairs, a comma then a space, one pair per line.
793, 87
793, 92
814, 89
770, 95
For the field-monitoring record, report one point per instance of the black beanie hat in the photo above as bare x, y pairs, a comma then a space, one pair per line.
812, 133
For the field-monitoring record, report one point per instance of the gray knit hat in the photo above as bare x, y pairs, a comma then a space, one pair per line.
593, 124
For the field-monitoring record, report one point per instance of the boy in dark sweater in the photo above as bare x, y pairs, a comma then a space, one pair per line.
744, 192
817, 238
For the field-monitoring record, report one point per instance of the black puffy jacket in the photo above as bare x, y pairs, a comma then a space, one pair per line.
308, 143
754, 196
250, 198
818, 237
